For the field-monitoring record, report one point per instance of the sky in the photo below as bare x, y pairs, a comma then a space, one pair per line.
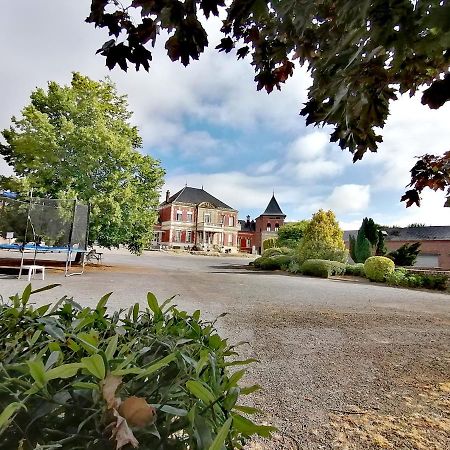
210, 127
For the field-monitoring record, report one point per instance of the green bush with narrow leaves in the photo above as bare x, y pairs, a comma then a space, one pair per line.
377, 268
355, 269
322, 268
75, 378
277, 251
402, 277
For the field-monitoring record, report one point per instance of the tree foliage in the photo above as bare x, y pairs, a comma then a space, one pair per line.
290, 234
76, 142
368, 242
323, 239
406, 255
360, 58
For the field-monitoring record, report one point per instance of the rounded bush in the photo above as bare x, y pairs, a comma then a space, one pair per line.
274, 263
377, 268
272, 252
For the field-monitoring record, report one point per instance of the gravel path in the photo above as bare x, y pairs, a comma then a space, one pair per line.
342, 364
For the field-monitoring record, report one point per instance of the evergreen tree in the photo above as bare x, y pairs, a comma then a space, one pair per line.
363, 246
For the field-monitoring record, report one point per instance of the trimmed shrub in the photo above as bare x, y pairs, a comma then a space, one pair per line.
438, 282
269, 243
378, 267
82, 378
322, 268
277, 262
276, 251
355, 269
294, 266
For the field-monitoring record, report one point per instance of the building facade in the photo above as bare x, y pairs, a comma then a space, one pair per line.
194, 218
253, 233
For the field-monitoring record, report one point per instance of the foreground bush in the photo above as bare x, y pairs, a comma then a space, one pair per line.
80, 378
322, 268
377, 268
355, 269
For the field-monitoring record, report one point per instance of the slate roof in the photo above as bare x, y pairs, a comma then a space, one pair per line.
432, 233
195, 196
247, 225
273, 208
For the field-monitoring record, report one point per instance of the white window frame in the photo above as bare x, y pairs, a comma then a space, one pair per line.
231, 221
177, 236
206, 216
179, 213
189, 236
230, 240
190, 216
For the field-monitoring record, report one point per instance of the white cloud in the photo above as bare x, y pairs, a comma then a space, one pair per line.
349, 198
312, 170
311, 146
266, 167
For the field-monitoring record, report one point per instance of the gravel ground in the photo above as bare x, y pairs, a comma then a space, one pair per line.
343, 365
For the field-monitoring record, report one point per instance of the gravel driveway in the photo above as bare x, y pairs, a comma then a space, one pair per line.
343, 365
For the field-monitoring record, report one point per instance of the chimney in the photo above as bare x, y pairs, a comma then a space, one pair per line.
167, 195
248, 219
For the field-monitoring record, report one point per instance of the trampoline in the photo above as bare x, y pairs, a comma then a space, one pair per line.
45, 226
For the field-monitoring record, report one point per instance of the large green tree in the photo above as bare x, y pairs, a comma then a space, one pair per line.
361, 56
290, 234
76, 141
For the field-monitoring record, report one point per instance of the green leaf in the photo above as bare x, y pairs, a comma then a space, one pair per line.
248, 428
231, 398
85, 385
64, 371
157, 365
43, 309
102, 302
35, 337
250, 389
135, 312
95, 365
26, 294
219, 440
198, 389
88, 341
45, 288
234, 379
153, 305
9, 412
173, 411
37, 371
247, 409
242, 362
112, 346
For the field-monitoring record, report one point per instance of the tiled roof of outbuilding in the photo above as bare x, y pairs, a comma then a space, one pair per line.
195, 196
432, 233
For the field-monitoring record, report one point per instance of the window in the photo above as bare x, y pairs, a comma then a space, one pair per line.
277, 226
179, 216
177, 236
249, 243
188, 236
231, 221
221, 220
189, 216
230, 239
207, 217
269, 227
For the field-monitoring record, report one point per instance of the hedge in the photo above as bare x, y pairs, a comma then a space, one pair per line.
322, 268
355, 269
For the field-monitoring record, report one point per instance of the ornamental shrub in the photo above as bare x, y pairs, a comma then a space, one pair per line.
378, 267
406, 255
269, 243
277, 251
355, 269
83, 378
277, 262
322, 268
323, 239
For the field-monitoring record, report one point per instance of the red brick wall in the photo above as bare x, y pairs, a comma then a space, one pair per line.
164, 213
243, 236
261, 226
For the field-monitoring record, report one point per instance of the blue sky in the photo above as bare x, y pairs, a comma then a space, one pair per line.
209, 126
